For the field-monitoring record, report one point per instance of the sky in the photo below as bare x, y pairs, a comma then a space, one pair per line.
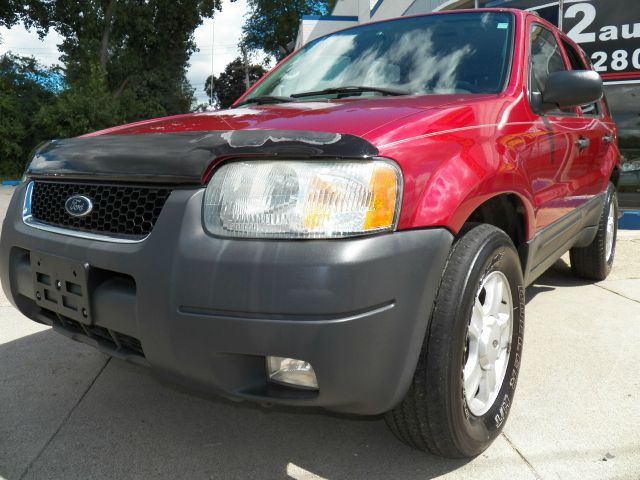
219, 37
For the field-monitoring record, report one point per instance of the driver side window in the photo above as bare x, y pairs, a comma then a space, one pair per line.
546, 58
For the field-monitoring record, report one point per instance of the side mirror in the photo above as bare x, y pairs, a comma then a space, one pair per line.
571, 89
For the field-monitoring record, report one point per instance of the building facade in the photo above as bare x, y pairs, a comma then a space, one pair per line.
607, 30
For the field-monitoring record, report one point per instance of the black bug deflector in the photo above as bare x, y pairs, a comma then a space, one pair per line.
182, 158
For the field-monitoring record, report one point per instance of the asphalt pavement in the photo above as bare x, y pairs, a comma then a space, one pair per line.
69, 412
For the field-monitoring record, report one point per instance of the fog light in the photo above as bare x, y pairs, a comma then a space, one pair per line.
289, 371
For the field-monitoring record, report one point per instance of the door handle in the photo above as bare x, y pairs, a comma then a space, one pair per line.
583, 143
608, 139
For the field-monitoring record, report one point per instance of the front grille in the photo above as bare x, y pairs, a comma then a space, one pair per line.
119, 210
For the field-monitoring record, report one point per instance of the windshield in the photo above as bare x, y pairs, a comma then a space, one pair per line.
436, 54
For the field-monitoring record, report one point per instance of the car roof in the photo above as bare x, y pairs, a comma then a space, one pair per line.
517, 12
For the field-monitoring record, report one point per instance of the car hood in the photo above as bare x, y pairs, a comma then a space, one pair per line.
357, 117
184, 149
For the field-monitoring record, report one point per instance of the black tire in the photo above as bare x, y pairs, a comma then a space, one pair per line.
593, 261
434, 415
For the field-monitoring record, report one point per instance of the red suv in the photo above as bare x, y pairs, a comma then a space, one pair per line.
356, 233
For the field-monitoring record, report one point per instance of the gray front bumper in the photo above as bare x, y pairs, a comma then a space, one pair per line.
208, 310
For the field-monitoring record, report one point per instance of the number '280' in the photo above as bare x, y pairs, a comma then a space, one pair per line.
620, 60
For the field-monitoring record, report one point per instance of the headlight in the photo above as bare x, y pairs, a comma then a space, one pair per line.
303, 199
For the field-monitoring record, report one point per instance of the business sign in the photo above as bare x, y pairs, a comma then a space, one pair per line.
609, 32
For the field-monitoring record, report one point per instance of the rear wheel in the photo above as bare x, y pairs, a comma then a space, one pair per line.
594, 262
466, 376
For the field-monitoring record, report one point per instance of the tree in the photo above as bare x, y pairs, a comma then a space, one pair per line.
130, 56
140, 47
272, 25
231, 83
123, 60
30, 12
25, 87
87, 106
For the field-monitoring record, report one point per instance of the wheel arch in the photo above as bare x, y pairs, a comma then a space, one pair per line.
507, 211
615, 176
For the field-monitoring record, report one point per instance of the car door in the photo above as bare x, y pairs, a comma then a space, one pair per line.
596, 137
550, 163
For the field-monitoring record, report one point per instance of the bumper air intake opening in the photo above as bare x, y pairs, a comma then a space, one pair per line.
118, 343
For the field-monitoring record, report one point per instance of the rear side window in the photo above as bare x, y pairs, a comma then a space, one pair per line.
574, 57
592, 109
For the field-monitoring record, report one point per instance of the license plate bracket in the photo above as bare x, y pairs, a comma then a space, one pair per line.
61, 285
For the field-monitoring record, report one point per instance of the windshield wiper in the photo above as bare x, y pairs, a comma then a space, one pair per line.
266, 100
352, 90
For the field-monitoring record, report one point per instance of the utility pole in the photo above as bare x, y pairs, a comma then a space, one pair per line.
245, 66
561, 14
213, 38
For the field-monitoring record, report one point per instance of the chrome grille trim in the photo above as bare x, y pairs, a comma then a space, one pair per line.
28, 220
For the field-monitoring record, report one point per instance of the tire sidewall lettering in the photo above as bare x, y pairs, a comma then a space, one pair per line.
495, 418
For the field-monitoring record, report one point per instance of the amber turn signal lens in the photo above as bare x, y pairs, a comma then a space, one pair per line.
384, 198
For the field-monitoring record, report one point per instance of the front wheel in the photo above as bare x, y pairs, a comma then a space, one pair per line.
466, 376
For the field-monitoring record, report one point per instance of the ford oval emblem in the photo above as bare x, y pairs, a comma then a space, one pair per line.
78, 206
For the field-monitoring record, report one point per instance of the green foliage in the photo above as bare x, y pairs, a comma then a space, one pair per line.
273, 24
86, 107
21, 97
123, 60
231, 83
143, 49
30, 12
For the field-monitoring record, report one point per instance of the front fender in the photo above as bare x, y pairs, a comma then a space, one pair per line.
447, 177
